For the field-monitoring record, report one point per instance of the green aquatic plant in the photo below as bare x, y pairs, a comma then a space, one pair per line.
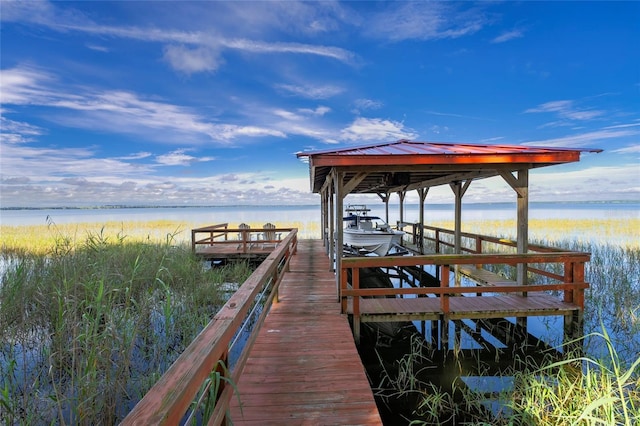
579, 390
90, 325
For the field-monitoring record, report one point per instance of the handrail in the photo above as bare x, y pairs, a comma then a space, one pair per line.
211, 230
219, 235
478, 239
571, 282
170, 398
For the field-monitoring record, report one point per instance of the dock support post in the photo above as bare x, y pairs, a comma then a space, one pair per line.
435, 336
520, 185
324, 228
339, 189
355, 284
401, 195
457, 336
422, 193
332, 220
444, 308
458, 189
573, 322
444, 333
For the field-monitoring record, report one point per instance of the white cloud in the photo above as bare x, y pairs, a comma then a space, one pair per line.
188, 51
301, 113
261, 47
424, 21
621, 126
290, 17
494, 139
190, 61
42, 12
311, 92
367, 104
367, 129
566, 109
118, 111
51, 164
508, 35
98, 48
287, 115
136, 156
319, 111
231, 131
580, 184
180, 158
583, 139
15, 132
633, 149
439, 129
312, 131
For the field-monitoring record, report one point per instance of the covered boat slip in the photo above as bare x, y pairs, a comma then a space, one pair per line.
282, 376
403, 166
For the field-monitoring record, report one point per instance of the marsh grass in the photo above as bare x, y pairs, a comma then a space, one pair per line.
43, 239
601, 387
91, 315
604, 391
89, 324
612, 231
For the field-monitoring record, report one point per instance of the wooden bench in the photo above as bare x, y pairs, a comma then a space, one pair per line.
484, 277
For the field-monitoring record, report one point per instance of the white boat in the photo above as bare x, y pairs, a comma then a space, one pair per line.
369, 232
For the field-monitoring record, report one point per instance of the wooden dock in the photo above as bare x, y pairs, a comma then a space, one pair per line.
304, 367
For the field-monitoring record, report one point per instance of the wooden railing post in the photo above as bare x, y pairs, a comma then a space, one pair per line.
274, 282
444, 307
355, 284
444, 283
343, 287
568, 279
222, 368
573, 323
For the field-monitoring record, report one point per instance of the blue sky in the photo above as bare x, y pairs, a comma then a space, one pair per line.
206, 103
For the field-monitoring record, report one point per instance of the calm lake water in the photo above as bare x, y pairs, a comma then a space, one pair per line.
311, 213
307, 218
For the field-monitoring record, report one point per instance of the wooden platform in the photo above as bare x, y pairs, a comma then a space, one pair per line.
235, 250
428, 308
304, 367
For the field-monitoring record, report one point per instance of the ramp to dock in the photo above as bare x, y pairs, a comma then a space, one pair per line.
304, 367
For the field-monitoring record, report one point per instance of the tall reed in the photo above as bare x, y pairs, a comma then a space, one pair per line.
607, 390
88, 327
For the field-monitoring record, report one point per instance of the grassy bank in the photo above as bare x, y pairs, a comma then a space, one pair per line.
89, 324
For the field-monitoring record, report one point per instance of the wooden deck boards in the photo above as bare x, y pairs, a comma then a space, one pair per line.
483, 276
383, 309
234, 250
304, 367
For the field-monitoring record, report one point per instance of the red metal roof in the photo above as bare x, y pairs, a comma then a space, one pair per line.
426, 163
406, 147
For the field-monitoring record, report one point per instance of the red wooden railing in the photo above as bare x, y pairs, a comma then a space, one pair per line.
565, 269
181, 388
244, 239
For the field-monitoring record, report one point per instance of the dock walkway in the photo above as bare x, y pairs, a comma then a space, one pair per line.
304, 367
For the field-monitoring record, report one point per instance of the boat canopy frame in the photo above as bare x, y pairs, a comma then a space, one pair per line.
404, 165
